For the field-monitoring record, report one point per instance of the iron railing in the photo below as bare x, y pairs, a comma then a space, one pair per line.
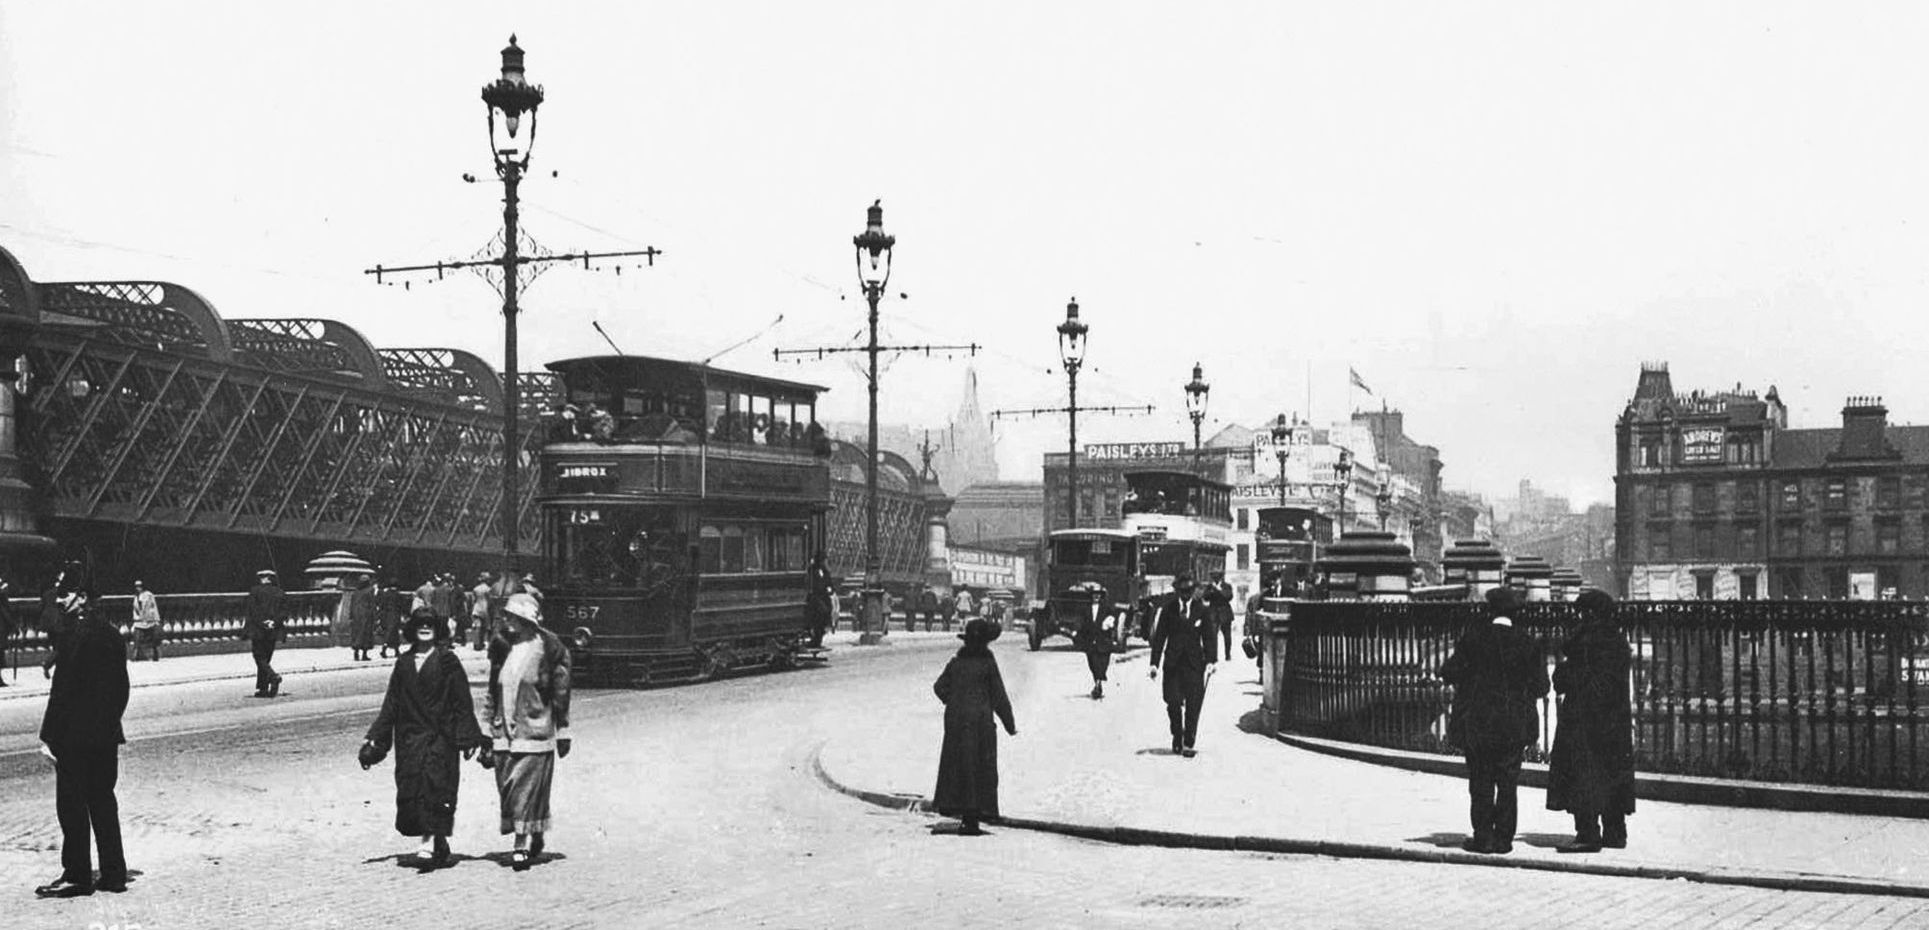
194, 619
1832, 693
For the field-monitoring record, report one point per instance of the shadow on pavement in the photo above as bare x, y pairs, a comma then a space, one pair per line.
1442, 840
1544, 840
504, 859
1156, 751
1254, 721
955, 828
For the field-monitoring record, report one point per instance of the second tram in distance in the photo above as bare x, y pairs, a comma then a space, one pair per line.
681, 505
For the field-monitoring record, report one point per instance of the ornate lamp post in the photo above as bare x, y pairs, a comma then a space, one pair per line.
511, 96
1196, 391
1282, 447
874, 249
1071, 351
1343, 471
1384, 497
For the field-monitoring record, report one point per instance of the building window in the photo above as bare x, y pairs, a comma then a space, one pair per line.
1747, 546
1650, 455
1748, 587
1888, 536
1888, 490
1658, 501
1704, 542
1111, 504
1243, 517
1660, 547
1788, 539
1835, 494
1245, 557
1789, 581
1791, 494
1838, 582
1704, 497
1705, 585
1838, 539
1748, 497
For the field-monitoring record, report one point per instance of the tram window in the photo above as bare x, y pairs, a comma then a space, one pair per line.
709, 550
732, 550
753, 549
717, 403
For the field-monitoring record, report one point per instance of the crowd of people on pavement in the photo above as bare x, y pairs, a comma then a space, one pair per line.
1498, 674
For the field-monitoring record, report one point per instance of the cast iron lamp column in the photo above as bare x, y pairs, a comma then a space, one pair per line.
512, 96
1385, 497
1196, 391
1343, 470
1071, 351
1282, 439
874, 271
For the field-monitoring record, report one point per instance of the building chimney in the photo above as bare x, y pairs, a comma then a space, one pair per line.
1864, 421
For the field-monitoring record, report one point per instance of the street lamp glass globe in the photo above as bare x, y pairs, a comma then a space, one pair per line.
874, 248
1071, 337
1196, 392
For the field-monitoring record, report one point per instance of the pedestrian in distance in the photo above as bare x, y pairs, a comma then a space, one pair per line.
1218, 598
1498, 674
1183, 638
479, 625
927, 605
429, 719
81, 734
266, 626
147, 623
362, 611
820, 600
528, 711
8, 631
967, 605
391, 611
1098, 635
1590, 773
974, 696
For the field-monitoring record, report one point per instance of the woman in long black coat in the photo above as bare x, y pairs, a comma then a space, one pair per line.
430, 720
1590, 773
972, 692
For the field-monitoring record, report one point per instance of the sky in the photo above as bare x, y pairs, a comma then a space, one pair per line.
1494, 213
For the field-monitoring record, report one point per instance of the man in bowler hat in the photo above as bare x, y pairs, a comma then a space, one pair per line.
81, 733
1498, 676
1183, 638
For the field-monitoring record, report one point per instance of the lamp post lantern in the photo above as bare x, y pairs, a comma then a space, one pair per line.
1282, 447
1196, 391
1343, 471
512, 97
874, 249
1071, 351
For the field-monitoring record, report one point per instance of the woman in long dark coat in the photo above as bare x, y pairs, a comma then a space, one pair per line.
1590, 773
430, 720
361, 617
972, 692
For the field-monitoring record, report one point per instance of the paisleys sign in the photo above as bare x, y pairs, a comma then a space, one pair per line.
1135, 450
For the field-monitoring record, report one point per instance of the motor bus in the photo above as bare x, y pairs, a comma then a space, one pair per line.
1288, 541
1076, 562
680, 507
1183, 522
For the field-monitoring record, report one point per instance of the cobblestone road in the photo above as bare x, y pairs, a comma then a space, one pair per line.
697, 807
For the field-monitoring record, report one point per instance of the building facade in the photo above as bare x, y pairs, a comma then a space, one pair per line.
1716, 497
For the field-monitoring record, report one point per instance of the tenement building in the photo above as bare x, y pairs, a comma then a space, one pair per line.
1716, 497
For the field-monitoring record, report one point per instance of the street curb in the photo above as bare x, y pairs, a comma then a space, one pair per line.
1651, 786
1135, 836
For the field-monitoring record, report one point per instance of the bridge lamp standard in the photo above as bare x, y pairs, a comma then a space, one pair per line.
1196, 391
874, 248
1384, 497
511, 97
1282, 447
1343, 471
1071, 353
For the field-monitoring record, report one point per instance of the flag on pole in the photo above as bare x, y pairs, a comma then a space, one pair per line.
1358, 382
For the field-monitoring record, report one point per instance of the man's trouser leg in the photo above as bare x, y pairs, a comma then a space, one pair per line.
264, 652
70, 806
1195, 702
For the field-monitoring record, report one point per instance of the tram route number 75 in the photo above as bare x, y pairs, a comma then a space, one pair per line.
575, 612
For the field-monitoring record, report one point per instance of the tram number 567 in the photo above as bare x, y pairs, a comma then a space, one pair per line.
577, 612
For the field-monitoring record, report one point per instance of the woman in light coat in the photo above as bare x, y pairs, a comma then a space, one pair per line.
528, 711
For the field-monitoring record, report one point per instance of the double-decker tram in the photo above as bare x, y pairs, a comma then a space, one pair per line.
1183, 522
1288, 542
681, 504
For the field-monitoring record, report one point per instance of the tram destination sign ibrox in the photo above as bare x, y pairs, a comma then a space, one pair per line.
1100, 452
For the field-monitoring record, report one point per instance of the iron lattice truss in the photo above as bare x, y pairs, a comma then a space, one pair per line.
900, 532
142, 406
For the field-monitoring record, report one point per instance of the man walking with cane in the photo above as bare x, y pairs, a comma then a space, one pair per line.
1183, 637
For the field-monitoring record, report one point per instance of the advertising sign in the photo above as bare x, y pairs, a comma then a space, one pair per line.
1702, 444
1134, 450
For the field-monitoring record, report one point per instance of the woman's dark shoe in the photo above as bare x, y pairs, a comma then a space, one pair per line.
535, 845
519, 860
274, 688
970, 828
441, 856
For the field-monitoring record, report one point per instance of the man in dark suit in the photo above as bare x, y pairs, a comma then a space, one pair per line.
266, 625
81, 732
1183, 636
1499, 676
